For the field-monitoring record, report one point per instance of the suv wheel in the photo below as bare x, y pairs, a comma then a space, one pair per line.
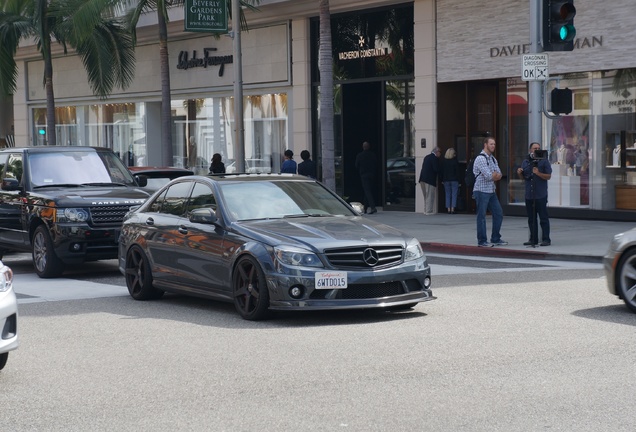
46, 263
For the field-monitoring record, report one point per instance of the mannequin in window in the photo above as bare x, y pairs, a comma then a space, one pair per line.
561, 154
616, 155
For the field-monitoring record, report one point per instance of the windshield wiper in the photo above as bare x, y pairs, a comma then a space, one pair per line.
300, 215
104, 184
66, 185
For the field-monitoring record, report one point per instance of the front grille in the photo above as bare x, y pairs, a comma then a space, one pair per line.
108, 215
367, 291
348, 258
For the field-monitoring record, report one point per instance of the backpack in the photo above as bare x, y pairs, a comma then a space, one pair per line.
469, 177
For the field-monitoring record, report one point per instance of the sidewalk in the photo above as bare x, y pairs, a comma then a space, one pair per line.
572, 240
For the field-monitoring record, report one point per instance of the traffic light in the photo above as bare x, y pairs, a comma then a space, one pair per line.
561, 101
558, 25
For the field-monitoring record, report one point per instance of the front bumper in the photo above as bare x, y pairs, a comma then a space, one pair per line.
8, 321
405, 284
75, 244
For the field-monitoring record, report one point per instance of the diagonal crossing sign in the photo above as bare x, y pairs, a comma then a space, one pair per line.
534, 67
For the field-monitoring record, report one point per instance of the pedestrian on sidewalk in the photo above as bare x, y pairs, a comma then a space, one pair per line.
450, 179
536, 171
428, 180
487, 172
366, 164
307, 167
289, 164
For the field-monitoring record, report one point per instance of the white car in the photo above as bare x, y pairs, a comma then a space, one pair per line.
8, 315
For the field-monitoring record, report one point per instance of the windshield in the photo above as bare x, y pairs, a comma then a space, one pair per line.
80, 167
279, 199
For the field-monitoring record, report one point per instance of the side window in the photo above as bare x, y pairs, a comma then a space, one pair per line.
202, 197
175, 198
14, 168
155, 207
3, 163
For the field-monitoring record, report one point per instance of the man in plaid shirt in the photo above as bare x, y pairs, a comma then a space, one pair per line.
487, 172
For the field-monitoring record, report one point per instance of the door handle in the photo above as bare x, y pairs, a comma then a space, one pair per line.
182, 230
150, 221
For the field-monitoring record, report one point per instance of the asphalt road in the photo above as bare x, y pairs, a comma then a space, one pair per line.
501, 349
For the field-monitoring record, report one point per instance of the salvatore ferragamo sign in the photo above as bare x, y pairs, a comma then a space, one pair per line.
186, 61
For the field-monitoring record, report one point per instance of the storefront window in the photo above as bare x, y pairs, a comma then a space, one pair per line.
592, 150
203, 127
118, 126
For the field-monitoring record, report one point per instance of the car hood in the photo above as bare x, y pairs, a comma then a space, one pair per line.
92, 196
320, 233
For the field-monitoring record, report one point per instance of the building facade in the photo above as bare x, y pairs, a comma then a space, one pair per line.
408, 76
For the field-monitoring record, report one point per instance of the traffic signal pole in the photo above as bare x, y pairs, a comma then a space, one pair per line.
535, 88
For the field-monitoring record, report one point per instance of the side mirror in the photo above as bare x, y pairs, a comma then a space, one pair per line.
142, 180
358, 207
10, 184
204, 216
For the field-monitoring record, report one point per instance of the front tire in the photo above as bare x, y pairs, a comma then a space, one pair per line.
45, 261
139, 276
626, 279
3, 360
249, 288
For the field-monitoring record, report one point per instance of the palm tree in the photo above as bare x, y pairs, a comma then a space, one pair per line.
90, 27
325, 66
161, 7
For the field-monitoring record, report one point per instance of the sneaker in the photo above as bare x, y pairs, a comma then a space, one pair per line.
485, 244
545, 243
500, 243
529, 243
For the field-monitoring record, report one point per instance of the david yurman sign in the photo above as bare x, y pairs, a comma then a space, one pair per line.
205, 16
186, 62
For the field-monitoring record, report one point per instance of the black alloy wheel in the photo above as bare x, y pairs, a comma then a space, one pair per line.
45, 261
251, 296
139, 276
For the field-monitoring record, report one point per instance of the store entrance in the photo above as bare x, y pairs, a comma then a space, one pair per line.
361, 121
380, 112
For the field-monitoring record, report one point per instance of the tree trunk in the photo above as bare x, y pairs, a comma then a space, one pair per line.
326, 98
51, 138
166, 115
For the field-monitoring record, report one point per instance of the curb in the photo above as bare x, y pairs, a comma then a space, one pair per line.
500, 252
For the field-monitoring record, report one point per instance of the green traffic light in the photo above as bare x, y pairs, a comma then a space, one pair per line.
567, 33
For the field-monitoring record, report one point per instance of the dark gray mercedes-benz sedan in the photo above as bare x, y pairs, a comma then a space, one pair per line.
268, 242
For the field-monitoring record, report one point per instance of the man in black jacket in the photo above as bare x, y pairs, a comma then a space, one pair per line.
428, 180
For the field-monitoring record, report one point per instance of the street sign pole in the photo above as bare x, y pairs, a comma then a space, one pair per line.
535, 87
239, 128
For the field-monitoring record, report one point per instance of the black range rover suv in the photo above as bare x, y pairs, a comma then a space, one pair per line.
64, 204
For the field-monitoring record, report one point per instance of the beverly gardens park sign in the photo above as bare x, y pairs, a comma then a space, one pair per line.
206, 16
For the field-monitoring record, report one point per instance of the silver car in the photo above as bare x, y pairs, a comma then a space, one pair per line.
620, 267
8, 315
268, 242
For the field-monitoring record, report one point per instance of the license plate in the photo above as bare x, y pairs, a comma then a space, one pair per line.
331, 280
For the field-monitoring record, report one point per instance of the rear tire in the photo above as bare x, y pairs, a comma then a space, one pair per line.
139, 276
45, 261
626, 279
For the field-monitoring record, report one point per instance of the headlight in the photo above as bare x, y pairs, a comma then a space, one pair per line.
72, 215
413, 250
6, 278
297, 257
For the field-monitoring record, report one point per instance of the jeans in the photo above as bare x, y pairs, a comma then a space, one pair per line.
488, 202
450, 187
538, 209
